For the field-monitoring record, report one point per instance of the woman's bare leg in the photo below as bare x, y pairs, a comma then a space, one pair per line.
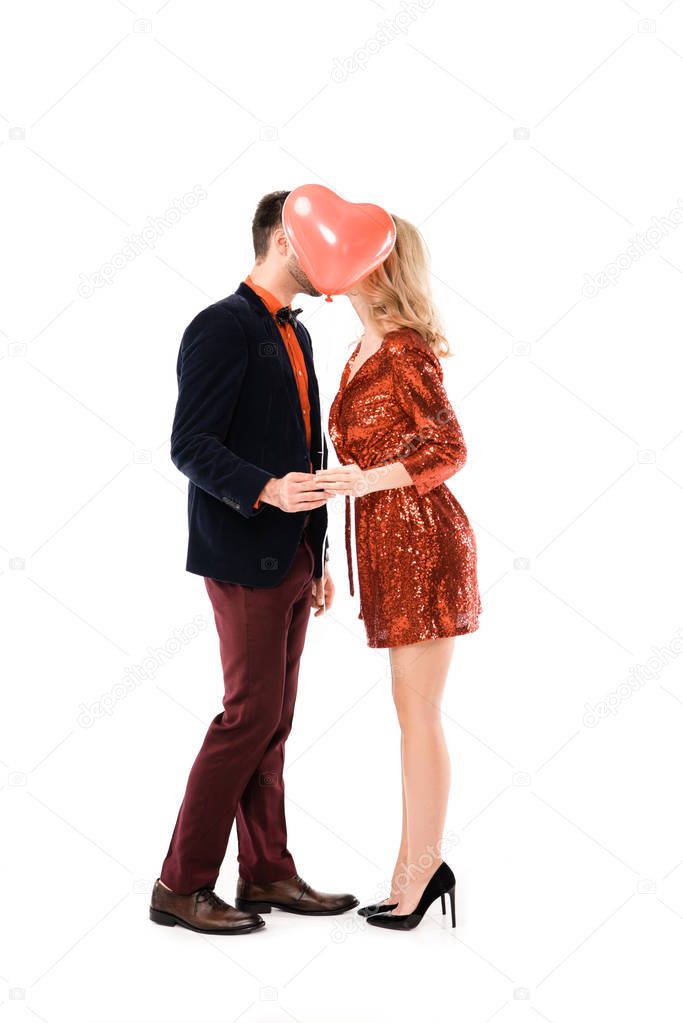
419, 675
401, 860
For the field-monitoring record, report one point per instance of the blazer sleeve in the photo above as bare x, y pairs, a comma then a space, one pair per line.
435, 449
211, 366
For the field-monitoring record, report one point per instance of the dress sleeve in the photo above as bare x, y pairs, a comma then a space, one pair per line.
435, 448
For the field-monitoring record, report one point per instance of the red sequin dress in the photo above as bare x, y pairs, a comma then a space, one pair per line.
415, 548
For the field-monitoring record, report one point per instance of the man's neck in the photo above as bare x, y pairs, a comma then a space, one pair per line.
278, 283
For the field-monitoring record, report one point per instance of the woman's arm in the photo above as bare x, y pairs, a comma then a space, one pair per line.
351, 479
433, 448
436, 449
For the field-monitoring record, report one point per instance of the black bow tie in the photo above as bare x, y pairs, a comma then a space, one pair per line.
287, 315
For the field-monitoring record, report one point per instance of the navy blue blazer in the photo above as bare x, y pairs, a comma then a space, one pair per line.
238, 423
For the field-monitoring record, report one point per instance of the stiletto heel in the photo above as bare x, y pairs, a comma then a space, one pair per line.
441, 883
452, 895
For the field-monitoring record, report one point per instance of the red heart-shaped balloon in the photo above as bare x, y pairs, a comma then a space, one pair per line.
337, 242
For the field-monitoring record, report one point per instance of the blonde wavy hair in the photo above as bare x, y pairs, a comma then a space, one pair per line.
399, 293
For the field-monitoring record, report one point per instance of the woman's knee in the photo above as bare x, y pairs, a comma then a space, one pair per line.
414, 709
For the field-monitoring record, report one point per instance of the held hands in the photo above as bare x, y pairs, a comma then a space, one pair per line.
344, 479
301, 491
357, 482
295, 492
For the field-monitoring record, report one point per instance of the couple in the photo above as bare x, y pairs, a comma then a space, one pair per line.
247, 433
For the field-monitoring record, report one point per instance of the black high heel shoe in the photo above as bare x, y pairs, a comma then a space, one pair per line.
441, 884
377, 907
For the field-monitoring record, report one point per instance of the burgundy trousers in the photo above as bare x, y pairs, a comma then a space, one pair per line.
238, 771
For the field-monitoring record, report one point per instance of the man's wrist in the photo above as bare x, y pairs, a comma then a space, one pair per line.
271, 491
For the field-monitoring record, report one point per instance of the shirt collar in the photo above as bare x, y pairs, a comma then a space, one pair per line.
271, 303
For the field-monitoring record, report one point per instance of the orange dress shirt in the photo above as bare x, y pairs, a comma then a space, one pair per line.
294, 352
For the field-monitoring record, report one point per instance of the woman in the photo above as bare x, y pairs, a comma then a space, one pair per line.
397, 438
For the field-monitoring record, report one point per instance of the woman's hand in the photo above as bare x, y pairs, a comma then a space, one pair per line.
351, 479
344, 479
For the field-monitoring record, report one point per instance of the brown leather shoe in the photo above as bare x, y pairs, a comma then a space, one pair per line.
201, 911
293, 896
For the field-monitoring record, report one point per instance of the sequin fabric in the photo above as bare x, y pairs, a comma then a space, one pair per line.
415, 549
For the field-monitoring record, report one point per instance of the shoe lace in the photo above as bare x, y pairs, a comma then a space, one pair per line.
305, 888
209, 895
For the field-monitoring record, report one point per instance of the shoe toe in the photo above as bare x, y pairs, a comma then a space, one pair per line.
252, 920
249, 922
346, 901
376, 907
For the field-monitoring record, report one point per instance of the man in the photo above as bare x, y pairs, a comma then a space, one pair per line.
247, 434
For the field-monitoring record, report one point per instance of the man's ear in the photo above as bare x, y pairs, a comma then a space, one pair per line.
280, 241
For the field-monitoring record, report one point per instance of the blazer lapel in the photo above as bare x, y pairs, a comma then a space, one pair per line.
304, 339
274, 335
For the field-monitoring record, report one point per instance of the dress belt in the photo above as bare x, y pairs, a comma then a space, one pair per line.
347, 535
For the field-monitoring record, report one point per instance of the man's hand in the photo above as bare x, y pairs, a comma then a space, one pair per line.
322, 594
295, 492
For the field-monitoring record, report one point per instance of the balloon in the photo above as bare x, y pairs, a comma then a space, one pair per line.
337, 243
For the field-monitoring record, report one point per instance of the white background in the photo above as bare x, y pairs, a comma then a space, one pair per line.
530, 141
